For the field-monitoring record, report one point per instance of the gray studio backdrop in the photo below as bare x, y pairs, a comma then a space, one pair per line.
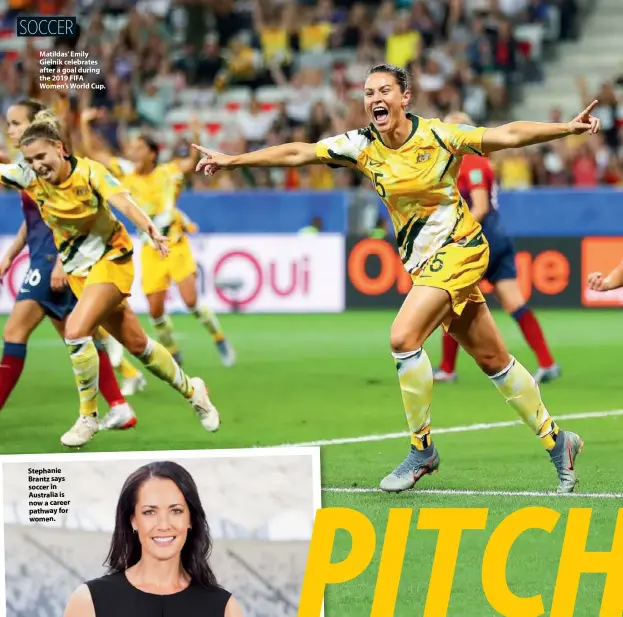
260, 509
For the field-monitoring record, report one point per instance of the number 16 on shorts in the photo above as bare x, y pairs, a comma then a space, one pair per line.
32, 278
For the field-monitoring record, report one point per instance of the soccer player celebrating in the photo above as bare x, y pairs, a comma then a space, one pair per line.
73, 197
478, 187
156, 188
44, 292
413, 164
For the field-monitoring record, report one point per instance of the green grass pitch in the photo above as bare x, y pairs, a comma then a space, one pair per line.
302, 378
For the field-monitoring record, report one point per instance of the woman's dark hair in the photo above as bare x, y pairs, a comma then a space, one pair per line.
152, 144
400, 75
125, 547
32, 107
45, 125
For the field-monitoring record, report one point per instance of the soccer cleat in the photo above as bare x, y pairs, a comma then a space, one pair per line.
443, 377
417, 464
227, 352
203, 406
568, 446
82, 431
119, 417
545, 375
178, 358
133, 385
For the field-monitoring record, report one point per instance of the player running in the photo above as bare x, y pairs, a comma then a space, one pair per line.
74, 197
44, 292
156, 188
413, 163
478, 187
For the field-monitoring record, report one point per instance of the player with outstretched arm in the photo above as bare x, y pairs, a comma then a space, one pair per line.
413, 163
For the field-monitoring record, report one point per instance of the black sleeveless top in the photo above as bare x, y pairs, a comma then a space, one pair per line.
114, 596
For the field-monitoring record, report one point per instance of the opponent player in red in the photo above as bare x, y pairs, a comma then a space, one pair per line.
478, 187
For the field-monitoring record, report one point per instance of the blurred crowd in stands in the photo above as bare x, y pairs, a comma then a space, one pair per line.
252, 73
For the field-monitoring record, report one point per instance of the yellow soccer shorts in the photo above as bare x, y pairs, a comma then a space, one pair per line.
119, 272
159, 271
457, 268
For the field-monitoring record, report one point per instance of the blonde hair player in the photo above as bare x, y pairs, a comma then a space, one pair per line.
44, 292
413, 163
156, 188
74, 197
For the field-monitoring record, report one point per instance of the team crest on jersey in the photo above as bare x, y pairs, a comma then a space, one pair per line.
475, 176
82, 190
422, 157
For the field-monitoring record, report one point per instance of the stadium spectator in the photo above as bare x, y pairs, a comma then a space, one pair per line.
302, 65
404, 43
253, 124
609, 111
210, 63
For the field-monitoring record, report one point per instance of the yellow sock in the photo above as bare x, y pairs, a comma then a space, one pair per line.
159, 361
522, 393
415, 375
210, 321
85, 362
164, 329
127, 370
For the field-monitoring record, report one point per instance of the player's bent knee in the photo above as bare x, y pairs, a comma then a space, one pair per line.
135, 342
15, 333
402, 341
156, 314
492, 362
74, 330
512, 307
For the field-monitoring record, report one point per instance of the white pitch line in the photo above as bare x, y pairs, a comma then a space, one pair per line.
466, 428
433, 491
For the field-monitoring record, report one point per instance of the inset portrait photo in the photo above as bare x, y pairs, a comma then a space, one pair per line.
195, 533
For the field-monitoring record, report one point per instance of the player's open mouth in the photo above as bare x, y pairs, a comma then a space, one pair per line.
164, 541
381, 114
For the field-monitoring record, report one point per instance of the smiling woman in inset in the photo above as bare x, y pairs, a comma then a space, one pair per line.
158, 559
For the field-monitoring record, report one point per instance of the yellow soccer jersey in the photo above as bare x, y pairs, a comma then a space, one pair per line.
84, 227
417, 182
156, 193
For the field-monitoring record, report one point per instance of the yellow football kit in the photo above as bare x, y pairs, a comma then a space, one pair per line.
156, 193
440, 243
93, 245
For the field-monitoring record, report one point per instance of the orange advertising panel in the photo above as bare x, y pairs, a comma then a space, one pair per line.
548, 272
601, 255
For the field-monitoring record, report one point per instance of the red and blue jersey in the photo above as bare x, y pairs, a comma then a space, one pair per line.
477, 173
39, 236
